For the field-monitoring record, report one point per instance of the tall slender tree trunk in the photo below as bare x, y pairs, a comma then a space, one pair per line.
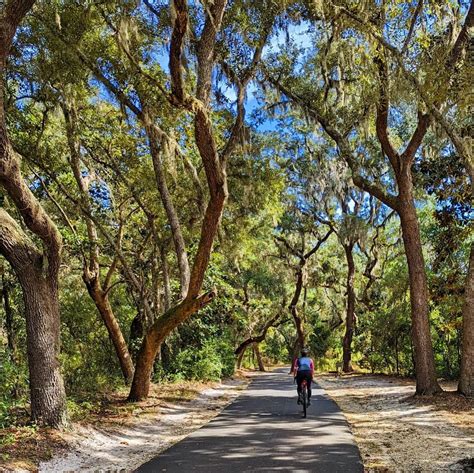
240, 358
101, 301
300, 338
350, 311
48, 397
426, 382
91, 268
466, 375
466, 378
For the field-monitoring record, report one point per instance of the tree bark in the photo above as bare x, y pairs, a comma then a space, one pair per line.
101, 301
40, 295
350, 311
155, 337
426, 382
256, 349
466, 377
11, 342
43, 330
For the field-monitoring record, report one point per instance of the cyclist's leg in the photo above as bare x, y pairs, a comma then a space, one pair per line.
299, 380
308, 380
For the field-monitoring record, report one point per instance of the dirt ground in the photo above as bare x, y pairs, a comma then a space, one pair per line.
118, 436
397, 432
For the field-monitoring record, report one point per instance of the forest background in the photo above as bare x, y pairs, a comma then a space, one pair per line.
190, 187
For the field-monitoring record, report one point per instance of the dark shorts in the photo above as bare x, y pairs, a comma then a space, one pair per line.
300, 376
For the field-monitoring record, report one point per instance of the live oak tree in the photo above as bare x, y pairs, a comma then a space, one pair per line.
298, 241
36, 267
172, 152
98, 290
400, 162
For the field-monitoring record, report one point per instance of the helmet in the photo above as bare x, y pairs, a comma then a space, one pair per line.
304, 351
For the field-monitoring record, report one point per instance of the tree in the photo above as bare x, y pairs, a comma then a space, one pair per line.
351, 151
300, 252
36, 269
91, 276
215, 168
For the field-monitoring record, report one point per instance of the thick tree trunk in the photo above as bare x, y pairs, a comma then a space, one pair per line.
466, 378
350, 311
101, 300
39, 283
256, 349
37, 271
48, 398
426, 382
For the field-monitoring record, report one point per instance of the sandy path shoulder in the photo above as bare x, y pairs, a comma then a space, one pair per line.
396, 433
124, 447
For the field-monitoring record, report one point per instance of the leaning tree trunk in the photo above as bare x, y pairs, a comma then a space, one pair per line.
101, 301
426, 382
155, 336
466, 378
240, 358
350, 311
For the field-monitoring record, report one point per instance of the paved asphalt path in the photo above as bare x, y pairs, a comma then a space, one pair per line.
263, 431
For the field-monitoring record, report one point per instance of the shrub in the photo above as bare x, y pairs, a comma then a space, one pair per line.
211, 362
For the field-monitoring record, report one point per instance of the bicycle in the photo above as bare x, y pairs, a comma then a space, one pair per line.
303, 396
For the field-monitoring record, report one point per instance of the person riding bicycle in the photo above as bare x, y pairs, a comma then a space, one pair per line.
304, 370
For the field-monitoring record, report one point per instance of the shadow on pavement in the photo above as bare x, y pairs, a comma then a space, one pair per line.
263, 430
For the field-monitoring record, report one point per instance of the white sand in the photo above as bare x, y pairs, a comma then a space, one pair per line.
125, 447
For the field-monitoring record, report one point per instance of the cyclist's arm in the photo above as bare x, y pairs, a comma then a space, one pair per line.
312, 368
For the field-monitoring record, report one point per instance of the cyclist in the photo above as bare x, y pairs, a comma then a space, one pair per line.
304, 369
